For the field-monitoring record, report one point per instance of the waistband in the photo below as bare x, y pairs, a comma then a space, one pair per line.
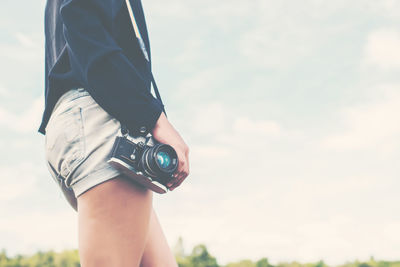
71, 95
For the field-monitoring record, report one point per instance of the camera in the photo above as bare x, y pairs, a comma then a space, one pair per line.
144, 160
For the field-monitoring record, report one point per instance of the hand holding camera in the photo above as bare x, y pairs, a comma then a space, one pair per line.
165, 133
158, 162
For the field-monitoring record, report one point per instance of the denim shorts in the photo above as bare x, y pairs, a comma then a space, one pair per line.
78, 141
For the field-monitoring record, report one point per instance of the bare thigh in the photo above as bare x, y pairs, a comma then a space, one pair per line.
113, 220
157, 252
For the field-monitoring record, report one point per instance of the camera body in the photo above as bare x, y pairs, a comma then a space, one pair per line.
144, 160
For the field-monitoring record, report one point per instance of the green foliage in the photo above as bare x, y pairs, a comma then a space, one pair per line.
67, 258
242, 263
179, 249
263, 263
199, 257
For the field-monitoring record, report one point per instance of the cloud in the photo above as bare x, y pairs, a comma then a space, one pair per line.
245, 134
389, 8
210, 152
206, 11
25, 40
382, 49
174, 8
29, 231
192, 52
25, 51
244, 125
210, 118
12, 187
26, 121
219, 122
3, 92
308, 219
372, 125
267, 46
22, 60
201, 87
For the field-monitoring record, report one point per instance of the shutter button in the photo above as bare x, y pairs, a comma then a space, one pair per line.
142, 129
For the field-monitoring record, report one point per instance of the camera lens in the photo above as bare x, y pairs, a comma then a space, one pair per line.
164, 160
159, 161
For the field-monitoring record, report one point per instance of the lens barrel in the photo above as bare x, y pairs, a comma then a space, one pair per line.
159, 161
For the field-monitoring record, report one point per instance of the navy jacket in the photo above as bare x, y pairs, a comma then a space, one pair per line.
92, 44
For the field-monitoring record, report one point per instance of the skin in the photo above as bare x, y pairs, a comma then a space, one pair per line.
165, 133
116, 221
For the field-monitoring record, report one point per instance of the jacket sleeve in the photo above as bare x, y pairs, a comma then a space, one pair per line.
101, 66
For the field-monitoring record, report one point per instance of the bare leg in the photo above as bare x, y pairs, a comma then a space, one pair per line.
157, 252
113, 219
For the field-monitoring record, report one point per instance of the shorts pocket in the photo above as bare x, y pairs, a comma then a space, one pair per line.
65, 142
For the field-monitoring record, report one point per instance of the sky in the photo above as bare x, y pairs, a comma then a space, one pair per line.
291, 112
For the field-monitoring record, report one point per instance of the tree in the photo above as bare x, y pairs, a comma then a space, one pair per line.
3, 258
200, 257
242, 263
263, 263
179, 249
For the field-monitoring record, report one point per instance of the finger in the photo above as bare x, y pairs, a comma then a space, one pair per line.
175, 177
180, 180
181, 166
179, 174
175, 181
177, 184
187, 163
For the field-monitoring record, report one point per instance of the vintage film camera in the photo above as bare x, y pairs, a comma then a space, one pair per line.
144, 160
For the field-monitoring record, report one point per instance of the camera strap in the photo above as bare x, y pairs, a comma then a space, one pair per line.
144, 51
149, 73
